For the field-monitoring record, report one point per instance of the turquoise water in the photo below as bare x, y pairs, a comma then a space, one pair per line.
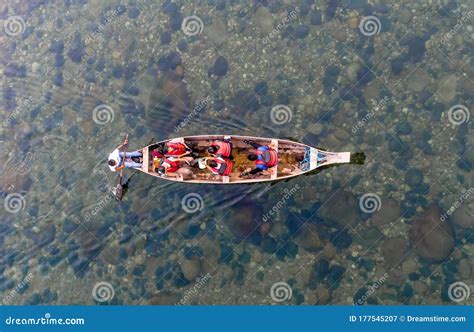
392, 79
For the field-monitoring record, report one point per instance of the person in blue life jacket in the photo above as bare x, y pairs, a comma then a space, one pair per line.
264, 157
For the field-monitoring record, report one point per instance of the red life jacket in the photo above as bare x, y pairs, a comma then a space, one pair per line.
178, 149
174, 165
270, 157
224, 169
224, 148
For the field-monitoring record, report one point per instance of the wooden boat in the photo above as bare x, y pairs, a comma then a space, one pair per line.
293, 159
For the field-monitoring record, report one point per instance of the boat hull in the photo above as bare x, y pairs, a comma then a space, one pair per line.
293, 159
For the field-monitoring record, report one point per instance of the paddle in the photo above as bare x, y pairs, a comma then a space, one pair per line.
118, 190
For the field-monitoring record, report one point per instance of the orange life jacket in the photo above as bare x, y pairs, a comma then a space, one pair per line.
178, 149
224, 148
224, 169
174, 165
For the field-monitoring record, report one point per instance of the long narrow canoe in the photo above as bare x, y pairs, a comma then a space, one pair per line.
293, 159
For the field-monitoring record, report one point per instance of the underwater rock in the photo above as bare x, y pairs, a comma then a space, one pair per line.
419, 80
133, 13
413, 177
416, 49
462, 218
389, 211
340, 210
217, 31
394, 251
264, 20
302, 31
431, 235
246, 220
309, 238
45, 236
168, 101
446, 88
316, 18
191, 269
220, 67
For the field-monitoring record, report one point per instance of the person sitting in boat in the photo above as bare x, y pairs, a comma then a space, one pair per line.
219, 166
175, 149
221, 148
176, 167
265, 157
116, 162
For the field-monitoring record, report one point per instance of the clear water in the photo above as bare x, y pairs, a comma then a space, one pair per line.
76, 75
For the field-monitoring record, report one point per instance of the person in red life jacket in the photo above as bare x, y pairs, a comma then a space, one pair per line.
175, 167
221, 148
219, 166
265, 157
175, 149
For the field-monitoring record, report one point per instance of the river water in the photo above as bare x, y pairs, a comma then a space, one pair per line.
391, 79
